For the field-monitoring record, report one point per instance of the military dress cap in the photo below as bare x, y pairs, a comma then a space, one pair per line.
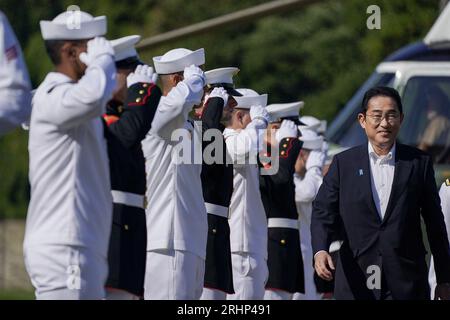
73, 25
310, 123
222, 77
125, 54
176, 60
250, 98
311, 140
280, 111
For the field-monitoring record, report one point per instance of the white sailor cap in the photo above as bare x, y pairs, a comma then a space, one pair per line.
176, 60
280, 111
311, 140
310, 123
250, 98
124, 47
222, 77
73, 25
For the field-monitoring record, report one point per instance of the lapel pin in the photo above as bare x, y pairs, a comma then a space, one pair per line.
361, 172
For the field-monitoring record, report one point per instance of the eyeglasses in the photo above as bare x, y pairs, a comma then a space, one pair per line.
391, 118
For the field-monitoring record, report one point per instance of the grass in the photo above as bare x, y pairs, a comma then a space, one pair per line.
16, 294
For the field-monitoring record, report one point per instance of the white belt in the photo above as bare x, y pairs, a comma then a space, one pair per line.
129, 199
282, 223
217, 210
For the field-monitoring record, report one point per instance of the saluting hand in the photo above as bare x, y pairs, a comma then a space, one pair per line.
194, 71
218, 93
144, 74
323, 264
288, 129
96, 48
259, 112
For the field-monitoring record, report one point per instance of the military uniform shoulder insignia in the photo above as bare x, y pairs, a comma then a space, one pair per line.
447, 182
139, 93
285, 147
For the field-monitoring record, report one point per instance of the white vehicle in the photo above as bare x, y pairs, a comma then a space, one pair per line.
421, 73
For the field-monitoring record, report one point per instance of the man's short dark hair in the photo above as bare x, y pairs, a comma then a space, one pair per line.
381, 91
53, 48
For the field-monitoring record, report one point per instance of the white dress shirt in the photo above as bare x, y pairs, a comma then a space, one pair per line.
381, 176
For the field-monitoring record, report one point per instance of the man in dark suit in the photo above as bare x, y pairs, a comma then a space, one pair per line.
378, 191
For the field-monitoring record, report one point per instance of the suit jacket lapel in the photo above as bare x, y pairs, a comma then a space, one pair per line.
364, 182
401, 178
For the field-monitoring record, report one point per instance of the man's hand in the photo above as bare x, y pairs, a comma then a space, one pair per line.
323, 264
259, 112
442, 291
194, 71
218, 93
96, 48
288, 129
143, 73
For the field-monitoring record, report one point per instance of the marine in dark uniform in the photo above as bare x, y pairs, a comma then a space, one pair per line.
217, 185
284, 262
127, 122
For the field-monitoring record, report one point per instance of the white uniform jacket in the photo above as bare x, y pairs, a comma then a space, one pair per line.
176, 214
248, 223
71, 200
15, 96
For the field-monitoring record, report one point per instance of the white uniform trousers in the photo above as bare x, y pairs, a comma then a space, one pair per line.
173, 275
213, 294
118, 294
61, 272
308, 268
250, 275
277, 295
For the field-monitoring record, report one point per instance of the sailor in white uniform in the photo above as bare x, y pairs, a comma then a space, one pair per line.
176, 216
248, 224
15, 86
69, 215
444, 194
307, 179
316, 125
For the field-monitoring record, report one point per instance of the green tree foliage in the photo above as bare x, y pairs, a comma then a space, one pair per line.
321, 54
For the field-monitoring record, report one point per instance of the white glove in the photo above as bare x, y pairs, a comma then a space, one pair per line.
194, 71
316, 158
96, 48
259, 112
218, 93
288, 129
143, 73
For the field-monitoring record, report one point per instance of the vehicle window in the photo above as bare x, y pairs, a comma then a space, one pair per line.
426, 105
